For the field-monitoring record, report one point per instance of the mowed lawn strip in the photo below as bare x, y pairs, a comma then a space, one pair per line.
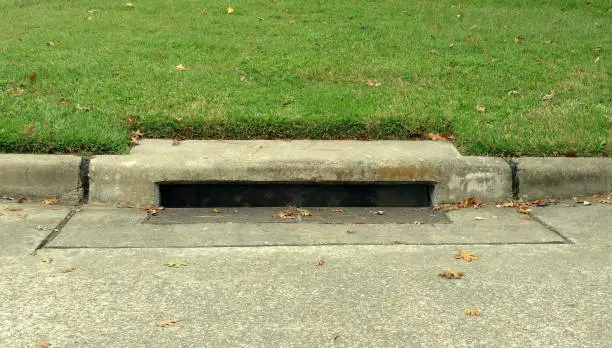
504, 77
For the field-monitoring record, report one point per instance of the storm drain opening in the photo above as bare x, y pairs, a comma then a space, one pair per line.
323, 203
249, 194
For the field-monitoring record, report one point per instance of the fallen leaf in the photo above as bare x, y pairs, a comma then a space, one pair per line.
304, 212
371, 83
466, 255
449, 274
319, 262
433, 52
24, 200
399, 241
15, 91
68, 270
63, 101
379, 212
128, 5
85, 108
50, 201
53, 43
337, 210
260, 19
29, 129
586, 203
349, 231
177, 264
42, 344
152, 210
438, 136
481, 108
230, 10
289, 213
136, 135
180, 67
472, 312
166, 323
478, 218
47, 260
548, 97
33, 77
40, 228
513, 92
124, 205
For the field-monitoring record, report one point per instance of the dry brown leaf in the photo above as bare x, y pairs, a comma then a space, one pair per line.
304, 212
33, 77
319, 262
63, 101
180, 67
24, 200
548, 97
230, 10
450, 274
337, 210
29, 129
50, 201
124, 205
136, 136
466, 255
68, 270
399, 241
42, 344
349, 231
152, 210
481, 108
371, 83
472, 312
166, 323
438, 136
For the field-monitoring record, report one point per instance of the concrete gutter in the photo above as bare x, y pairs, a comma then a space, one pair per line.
133, 179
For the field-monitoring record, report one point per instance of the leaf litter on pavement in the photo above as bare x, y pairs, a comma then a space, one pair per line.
450, 274
466, 255
166, 323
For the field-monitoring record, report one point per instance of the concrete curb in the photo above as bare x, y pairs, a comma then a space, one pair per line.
133, 179
41, 177
542, 177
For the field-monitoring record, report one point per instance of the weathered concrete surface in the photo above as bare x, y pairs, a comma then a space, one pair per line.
24, 226
542, 177
569, 221
41, 177
96, 227
363, 296
132, 179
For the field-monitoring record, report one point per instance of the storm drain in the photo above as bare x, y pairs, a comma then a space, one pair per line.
241, 194
326, 203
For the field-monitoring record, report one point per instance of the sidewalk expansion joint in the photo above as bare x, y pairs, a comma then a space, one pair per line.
51, 236
84, 178
515, 179
61, 247
551, 228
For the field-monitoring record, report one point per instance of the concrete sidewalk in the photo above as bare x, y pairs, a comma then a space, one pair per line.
531, 293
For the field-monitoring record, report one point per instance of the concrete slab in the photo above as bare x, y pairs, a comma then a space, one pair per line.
24, 226
96, 227
543, 177
132, 179
363, 296
583, 224
41, 177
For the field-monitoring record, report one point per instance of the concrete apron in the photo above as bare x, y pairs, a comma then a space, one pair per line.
134, 179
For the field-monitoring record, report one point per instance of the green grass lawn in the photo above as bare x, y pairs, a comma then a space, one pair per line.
378, 69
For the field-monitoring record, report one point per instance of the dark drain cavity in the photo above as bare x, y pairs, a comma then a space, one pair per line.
249, 194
